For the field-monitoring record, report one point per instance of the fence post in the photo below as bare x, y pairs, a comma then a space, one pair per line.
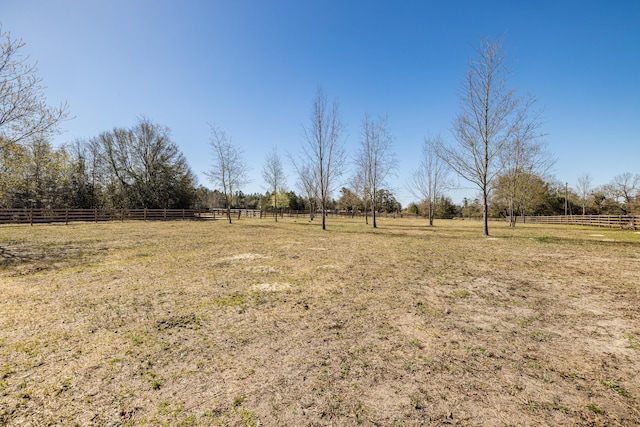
95, 215
66, 216
31, 217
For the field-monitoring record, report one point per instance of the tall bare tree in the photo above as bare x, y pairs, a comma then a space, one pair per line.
524, 158
24, 112
323, 151
229, 171
430, 179
374, 159
273, 174
584, 189
491, 114
23, 108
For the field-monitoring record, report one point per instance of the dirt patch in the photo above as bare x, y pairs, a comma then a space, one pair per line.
327, 267
271, 287
241, 257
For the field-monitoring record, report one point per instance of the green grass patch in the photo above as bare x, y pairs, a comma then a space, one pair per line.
615, 387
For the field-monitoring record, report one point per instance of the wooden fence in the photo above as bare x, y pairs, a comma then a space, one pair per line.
42, 216
610, 221
47, 216
290, 213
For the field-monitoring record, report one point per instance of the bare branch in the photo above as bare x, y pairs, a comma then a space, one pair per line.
273, 174
428, 181
24, 112
229, 170
374, 158
323, 155
491, 120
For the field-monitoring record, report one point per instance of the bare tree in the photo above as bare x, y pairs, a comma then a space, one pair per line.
24, 112
374, 159
626, 189
360, 185
523, 159
308, 185
323, 152
491, 114
229, 170
584, 190
273, 174
428, 181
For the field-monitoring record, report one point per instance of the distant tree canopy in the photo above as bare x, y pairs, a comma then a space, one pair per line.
35, 175
140, 167
145, 168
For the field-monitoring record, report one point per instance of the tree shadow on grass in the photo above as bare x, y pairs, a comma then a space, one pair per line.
6, 253
9, 257
12, 257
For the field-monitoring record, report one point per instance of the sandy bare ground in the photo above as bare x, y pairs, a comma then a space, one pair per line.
283, 325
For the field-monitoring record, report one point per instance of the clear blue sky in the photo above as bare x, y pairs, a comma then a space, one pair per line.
252, 68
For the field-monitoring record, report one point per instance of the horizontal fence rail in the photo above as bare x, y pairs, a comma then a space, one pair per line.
609, 221
291, 213
47, 216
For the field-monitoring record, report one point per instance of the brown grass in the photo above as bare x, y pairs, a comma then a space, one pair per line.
259, 323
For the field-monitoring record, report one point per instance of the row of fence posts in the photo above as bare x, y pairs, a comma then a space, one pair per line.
96, 215
112, 215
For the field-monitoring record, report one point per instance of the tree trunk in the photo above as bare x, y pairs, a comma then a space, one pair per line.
366, 213
324, 216
275, 204
431, 214
373, 213
512, 213
485, 212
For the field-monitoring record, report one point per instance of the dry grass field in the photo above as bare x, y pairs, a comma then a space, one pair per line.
264, 324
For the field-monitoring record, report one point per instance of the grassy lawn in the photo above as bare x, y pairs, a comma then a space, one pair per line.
258, 323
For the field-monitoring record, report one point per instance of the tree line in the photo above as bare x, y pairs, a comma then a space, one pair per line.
497, 146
